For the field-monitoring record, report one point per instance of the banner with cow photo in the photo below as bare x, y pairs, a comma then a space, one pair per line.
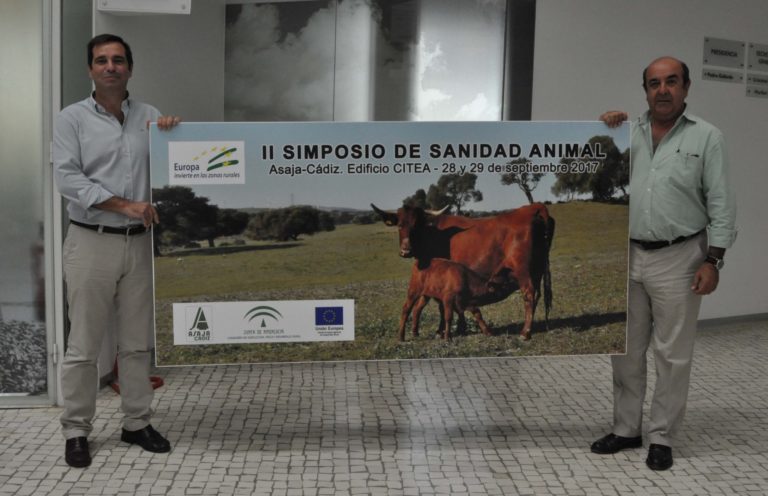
283, 242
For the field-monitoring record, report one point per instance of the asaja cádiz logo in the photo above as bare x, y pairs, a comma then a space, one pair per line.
199, 330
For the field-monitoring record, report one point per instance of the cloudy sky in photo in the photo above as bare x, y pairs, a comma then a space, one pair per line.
308, 61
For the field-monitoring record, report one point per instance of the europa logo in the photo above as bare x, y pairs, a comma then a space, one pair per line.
263, 312
206, 162
222, 157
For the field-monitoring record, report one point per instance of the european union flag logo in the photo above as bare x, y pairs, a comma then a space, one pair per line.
327, 316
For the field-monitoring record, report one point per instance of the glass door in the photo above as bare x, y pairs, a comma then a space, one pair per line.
26, 372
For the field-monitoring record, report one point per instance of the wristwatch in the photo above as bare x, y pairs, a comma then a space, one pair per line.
717, 262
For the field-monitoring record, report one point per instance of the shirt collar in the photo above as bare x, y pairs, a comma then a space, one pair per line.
124, 106
645, 119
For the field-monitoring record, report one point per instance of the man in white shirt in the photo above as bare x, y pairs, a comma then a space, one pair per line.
101, 165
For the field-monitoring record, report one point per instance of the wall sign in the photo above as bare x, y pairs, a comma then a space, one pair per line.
731, 54
757, 91
757, 79
722, 75
724, 53
758, 57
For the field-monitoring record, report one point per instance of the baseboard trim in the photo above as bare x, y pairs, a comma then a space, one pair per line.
736, 319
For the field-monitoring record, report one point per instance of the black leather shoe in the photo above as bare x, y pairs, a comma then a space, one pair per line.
148, 438
76, 452
612, 443
659, 457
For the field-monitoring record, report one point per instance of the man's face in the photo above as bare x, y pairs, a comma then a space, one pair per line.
109, 70
665, 91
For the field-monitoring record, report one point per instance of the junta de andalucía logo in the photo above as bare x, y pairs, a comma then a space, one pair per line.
264, 312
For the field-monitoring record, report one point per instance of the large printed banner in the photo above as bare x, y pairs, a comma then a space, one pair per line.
389, 240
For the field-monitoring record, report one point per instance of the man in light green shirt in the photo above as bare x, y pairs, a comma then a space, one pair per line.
681, 220
680, 186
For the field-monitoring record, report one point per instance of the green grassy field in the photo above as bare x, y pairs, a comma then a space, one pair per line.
588, 264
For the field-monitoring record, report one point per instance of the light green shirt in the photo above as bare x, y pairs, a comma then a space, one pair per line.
683, 186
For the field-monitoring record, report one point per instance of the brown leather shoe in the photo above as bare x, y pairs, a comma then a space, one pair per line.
610, 444
659, 457
148, 438
76, 452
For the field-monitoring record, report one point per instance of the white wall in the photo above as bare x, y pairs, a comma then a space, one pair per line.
589, 57
178, 59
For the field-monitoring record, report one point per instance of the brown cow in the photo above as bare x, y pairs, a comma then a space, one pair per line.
456, 288
518, 240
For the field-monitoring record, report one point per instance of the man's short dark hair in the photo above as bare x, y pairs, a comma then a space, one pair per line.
109, 38
686, 74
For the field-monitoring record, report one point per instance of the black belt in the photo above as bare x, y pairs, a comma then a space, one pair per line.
655, 245
125, 231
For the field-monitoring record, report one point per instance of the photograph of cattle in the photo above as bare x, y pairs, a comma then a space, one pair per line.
464, 263
538, 260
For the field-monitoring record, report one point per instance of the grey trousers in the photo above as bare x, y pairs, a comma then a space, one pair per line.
109, 289
662, 313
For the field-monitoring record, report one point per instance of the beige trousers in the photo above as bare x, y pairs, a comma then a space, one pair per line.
662, 313
109, 289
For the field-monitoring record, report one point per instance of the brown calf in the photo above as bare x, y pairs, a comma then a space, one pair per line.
456, 288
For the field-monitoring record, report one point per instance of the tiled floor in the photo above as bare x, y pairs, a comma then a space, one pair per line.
492, 426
